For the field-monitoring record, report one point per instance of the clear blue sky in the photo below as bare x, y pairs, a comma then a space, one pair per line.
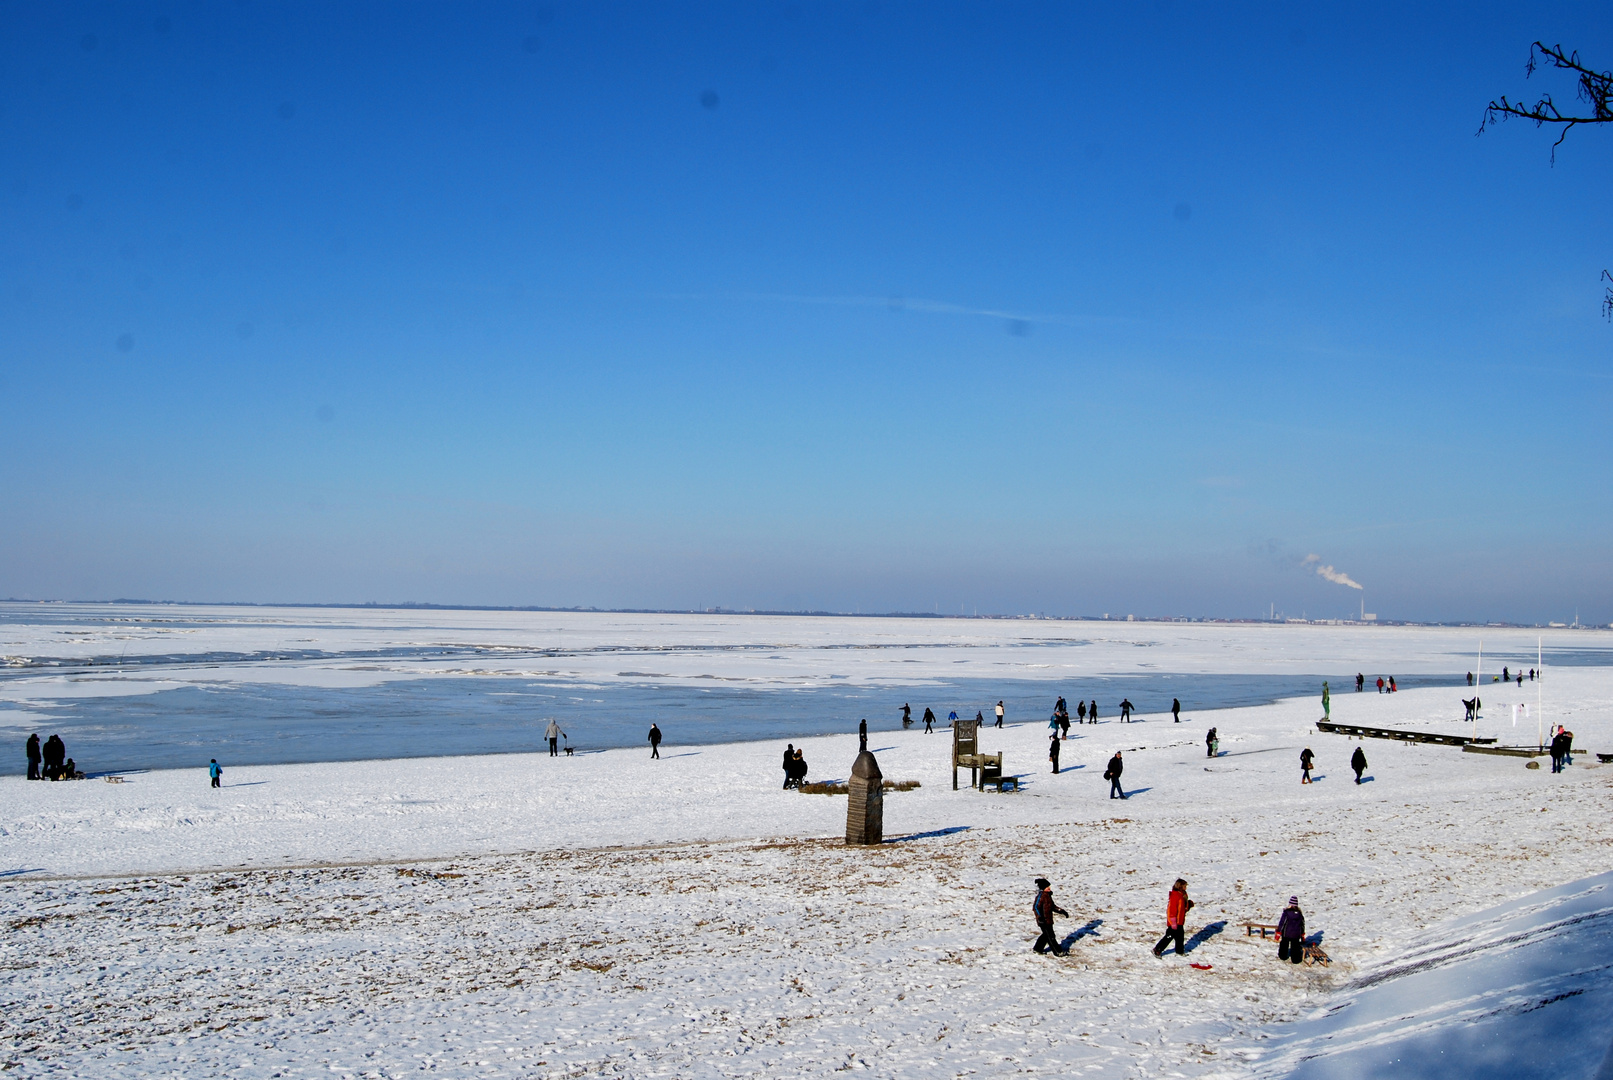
854, 306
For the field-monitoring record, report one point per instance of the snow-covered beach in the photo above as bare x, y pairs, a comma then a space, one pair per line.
521, 915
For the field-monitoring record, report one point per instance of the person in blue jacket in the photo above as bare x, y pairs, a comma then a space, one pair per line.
214, 771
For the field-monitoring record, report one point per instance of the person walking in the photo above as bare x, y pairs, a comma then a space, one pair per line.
214, 771
1469, 682
1053, 752
929, 720
34, 756
952, 718
1176, 711
1112, 774
1291, 932
1000, 714
1327, 702
907, 715
1305, 759
554, 735
1360, 681
1044, 909
1176, 909
1568, 745
1358, 762
1063, 716
1092, 711
862, 734
1212, 742
655, 741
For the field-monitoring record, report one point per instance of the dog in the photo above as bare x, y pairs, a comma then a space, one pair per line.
568, 751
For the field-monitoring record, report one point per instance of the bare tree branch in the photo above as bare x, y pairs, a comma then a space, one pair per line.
1595, 88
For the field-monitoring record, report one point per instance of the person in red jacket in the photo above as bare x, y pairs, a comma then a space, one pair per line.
1044, 909
1176, 909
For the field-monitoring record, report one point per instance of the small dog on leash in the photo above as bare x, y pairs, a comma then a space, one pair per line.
568, 751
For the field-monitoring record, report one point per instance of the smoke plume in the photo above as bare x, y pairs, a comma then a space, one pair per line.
1337, 577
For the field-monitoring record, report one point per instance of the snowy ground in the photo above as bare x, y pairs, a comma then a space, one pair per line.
607, 914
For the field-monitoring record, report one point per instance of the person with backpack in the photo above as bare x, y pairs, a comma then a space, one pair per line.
1291, 932
1176, 909
1358, 762
214, 771
1044, 909
1112, 774
1305, 759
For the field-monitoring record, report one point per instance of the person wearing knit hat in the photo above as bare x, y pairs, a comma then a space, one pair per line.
1291, 932
1044, 909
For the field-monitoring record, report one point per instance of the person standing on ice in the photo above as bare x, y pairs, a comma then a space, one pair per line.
907, 715
1327, 702
1291, 932
1044, 909
1211, 741
862, 734
214, 771
1392, 687
1000, 714
1081, 711
1053, 752
929, 720
1176, 909
1092, 711
1305, 759
789, 762
655, 740
1360, 681
1112, 774
1176, 711
33, 757
554, 735
1358, 762
1125, 709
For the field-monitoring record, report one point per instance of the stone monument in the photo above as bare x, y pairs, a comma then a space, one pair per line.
865, 809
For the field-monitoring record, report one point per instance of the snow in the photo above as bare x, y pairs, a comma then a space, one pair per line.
517, 915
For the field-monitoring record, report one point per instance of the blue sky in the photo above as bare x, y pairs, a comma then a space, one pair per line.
874, 307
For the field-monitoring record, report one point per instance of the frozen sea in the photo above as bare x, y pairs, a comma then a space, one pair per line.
154, 686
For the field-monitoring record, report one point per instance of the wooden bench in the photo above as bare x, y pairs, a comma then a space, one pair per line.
991, 770
1250, 929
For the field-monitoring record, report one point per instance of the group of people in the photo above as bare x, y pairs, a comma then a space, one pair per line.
49, 761
1307, 762
795, 766
1290, 924
1562, 749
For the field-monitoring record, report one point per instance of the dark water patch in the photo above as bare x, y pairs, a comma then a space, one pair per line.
271, 723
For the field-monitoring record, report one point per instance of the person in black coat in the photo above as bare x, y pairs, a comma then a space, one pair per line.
1053, 751
54, 753
1176, 711
862, 735
1306, 758
1358, 762
789, 763
33, 757
655, 740
1112, 774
